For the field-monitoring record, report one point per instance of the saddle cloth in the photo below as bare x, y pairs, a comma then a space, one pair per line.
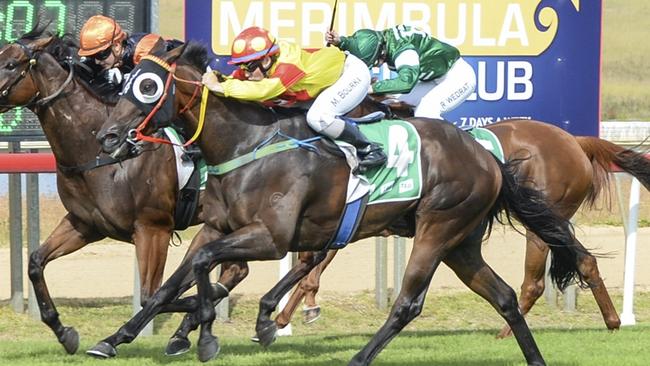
489, 141
184, 166
401, 178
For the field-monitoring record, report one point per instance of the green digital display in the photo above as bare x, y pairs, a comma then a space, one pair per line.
17, 17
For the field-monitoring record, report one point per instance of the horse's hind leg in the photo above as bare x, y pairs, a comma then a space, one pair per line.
468, 264
424, 260
533, 285
534, 270
307, 288
589, 270
68, 237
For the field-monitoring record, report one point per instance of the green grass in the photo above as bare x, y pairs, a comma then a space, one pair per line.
625, 73
454, 329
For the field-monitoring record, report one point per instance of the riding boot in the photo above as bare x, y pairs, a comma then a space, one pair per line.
370, 154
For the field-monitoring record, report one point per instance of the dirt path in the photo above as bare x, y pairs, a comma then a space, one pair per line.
106, 270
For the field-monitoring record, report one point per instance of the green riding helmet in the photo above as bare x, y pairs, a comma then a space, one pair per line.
365, 44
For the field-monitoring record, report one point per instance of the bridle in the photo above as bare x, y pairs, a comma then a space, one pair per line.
135, 135
31, 62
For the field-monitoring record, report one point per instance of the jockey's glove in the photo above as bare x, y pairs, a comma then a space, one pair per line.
114, 76
211, 81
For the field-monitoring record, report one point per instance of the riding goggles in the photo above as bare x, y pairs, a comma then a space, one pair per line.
103, 55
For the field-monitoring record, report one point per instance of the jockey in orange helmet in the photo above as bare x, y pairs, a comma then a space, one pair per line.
103, 42
280, 73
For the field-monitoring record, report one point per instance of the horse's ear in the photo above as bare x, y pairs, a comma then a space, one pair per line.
173, 55
40, 43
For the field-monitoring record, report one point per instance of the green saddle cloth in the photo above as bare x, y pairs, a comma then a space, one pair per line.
489, 141
401, 178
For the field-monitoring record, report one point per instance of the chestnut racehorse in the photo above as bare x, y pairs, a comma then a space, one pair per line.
570, 170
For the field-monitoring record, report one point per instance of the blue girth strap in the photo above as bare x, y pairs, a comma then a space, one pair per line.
349, 223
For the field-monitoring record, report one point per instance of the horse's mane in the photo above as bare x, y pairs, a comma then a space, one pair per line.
64, 48
195, 55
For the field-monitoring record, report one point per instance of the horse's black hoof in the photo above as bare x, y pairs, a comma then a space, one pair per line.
311, 314
70, 340
102, 350
177, 345
267, 335
208, 348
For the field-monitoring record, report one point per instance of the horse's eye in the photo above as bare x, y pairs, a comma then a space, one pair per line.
148, 87
11, 66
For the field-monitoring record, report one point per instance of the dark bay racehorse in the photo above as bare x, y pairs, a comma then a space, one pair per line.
569, 170
292, 202
132, 202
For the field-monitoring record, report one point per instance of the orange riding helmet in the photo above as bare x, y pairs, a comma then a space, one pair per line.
253, 44
98, 33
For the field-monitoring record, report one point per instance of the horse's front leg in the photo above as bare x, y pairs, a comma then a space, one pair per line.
232, 273
251, 242
161, 301
151, 247
265, 327
68, 237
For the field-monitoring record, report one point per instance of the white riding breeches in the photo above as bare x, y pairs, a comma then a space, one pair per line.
339, 98
433, 98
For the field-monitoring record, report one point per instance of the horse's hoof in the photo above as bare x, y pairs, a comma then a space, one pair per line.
177, 345
70, 340
267, 335
504, 333
311, 314
208, 348
102, 350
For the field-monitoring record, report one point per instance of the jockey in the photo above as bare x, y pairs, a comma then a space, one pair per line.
431, 75
113, 53
278, 73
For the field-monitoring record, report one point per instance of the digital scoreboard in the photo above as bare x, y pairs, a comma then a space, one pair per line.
18, 17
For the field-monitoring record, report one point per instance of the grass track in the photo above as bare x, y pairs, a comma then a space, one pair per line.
453, 330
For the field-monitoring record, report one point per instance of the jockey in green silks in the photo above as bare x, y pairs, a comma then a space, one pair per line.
431, 75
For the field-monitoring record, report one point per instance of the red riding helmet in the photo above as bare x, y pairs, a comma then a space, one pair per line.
252, 44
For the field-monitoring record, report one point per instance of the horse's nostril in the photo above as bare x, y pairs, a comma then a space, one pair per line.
109, 142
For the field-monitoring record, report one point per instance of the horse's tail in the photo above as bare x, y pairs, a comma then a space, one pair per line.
517, 199
603, 154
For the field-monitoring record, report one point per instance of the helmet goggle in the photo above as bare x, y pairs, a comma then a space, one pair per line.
253, 65
103, 55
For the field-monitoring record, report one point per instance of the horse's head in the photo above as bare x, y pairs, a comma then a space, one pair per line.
157, 91
17, 61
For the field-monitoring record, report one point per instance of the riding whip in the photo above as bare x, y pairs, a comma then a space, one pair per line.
336, 2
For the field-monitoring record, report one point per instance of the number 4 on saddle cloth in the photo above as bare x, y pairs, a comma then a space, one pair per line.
399, 180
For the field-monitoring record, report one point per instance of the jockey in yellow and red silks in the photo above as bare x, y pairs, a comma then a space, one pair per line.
279, 73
